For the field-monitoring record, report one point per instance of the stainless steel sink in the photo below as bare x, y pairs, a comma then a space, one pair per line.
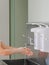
24, 62
20, 62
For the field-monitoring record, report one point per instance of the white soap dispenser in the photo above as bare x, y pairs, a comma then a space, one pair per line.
41, 38
37, 38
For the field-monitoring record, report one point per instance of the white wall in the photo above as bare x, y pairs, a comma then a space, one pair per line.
4, 21
38, 11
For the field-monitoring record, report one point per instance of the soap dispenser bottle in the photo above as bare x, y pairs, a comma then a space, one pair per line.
41, 38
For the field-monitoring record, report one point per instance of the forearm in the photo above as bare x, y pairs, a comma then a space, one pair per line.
9, 51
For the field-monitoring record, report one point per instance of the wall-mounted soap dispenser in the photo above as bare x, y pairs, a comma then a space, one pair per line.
41, 37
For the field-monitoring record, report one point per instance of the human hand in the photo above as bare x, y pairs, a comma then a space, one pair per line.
26, 51
42, 54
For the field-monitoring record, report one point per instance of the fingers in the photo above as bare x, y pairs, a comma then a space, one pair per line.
43, 54
28, 54
26, 51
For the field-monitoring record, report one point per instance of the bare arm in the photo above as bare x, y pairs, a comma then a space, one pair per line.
25, 51
7, 50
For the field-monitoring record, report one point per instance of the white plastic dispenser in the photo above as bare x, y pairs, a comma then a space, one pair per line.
37, 42
41, 37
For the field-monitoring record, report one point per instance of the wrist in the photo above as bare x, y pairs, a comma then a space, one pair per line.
17, 50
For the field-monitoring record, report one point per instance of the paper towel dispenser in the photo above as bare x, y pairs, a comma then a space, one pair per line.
41, 37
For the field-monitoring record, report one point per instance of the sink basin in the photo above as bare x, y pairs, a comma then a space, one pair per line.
24, 62
20, 62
